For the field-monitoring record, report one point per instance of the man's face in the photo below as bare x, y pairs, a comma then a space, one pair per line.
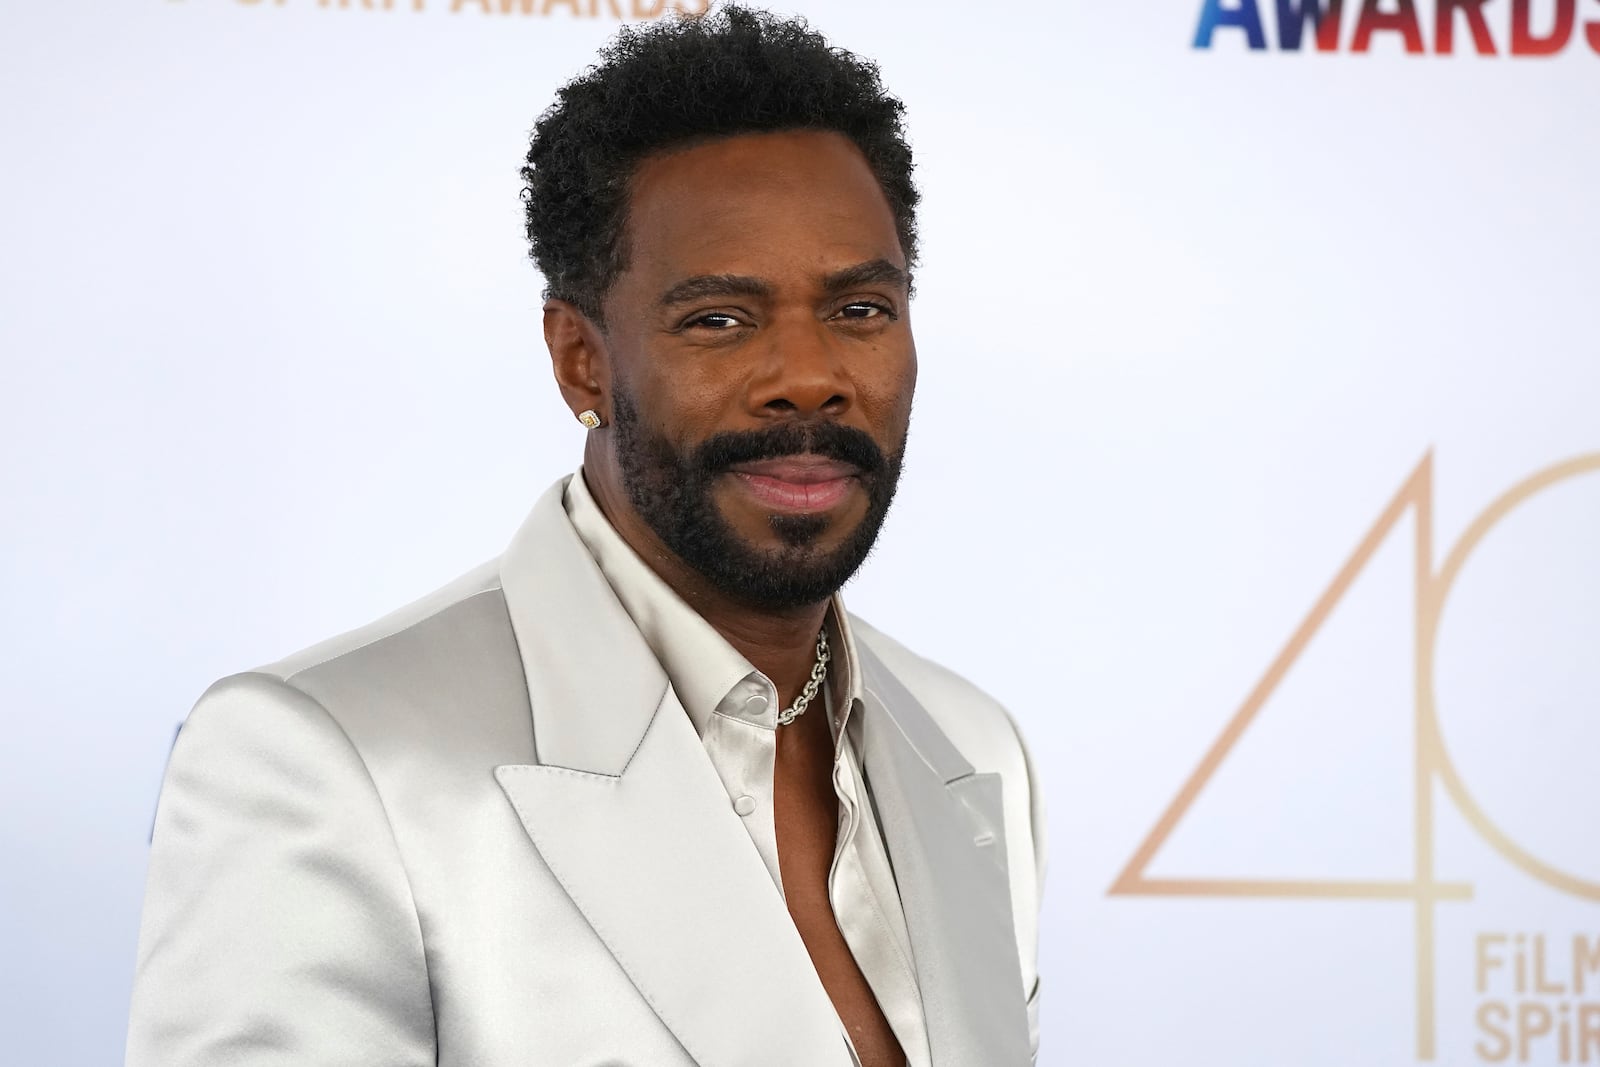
761, 362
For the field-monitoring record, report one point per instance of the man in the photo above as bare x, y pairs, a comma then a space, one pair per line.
640, 791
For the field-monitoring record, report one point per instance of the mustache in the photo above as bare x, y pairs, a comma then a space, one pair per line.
846, 444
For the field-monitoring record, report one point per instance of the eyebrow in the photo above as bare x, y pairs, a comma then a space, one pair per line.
872, 272
704, 286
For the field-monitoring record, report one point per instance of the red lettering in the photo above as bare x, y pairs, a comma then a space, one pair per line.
1444, 26
1403, 21
1524, 42
1328, 31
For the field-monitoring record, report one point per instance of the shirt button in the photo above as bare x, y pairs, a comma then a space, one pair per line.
756, 706
745, 805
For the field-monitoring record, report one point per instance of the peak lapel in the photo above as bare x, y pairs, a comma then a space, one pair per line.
630, 817
943, 827
593, 683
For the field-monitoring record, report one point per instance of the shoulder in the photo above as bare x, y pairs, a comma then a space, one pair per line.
430, 618
441, 675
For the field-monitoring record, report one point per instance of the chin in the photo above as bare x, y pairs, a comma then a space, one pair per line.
764, 529
798, 561
807, 534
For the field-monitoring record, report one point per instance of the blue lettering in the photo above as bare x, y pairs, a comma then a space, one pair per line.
1246, 16
1293, 16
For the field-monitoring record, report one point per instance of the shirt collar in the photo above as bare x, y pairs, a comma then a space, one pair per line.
844, 675
702, 666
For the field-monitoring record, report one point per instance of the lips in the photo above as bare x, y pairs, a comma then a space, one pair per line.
802, 483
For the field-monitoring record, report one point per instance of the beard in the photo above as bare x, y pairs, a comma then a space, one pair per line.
672, 490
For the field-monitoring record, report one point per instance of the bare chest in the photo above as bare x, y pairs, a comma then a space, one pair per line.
806, 811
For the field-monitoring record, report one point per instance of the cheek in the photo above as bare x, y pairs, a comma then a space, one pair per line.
706, 393
679, 398
885, 395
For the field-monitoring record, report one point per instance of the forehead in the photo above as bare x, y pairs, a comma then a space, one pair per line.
771, 205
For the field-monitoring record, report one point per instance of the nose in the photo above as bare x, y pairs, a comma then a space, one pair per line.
803, 371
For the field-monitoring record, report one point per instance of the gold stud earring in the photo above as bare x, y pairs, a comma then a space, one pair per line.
590, 419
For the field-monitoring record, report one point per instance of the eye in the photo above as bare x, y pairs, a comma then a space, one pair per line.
716, 321
866, 309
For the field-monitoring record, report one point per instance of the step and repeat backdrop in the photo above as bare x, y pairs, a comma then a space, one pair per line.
1256, 463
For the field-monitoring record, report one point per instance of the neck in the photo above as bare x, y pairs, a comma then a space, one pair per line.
781, 644
782, 647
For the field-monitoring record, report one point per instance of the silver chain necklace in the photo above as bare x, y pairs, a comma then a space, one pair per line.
819, 671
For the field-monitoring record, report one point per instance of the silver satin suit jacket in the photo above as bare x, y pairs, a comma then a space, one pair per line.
483, 832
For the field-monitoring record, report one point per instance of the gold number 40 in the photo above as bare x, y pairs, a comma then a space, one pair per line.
1432, 761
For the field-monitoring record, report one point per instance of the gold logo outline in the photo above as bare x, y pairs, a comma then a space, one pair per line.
1432, 761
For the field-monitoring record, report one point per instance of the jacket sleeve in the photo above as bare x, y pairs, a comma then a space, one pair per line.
278, 922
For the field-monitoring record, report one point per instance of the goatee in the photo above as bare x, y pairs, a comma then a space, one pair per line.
672, 489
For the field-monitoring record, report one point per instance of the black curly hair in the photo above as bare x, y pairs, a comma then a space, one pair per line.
677, 82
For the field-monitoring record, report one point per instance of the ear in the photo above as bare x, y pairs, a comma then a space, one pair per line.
579, 358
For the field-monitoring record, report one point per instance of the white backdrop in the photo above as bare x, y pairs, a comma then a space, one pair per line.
1189, 320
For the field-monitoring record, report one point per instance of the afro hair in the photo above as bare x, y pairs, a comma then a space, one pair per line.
681, 81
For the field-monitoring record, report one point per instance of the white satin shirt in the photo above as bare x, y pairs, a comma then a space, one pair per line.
734, 709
